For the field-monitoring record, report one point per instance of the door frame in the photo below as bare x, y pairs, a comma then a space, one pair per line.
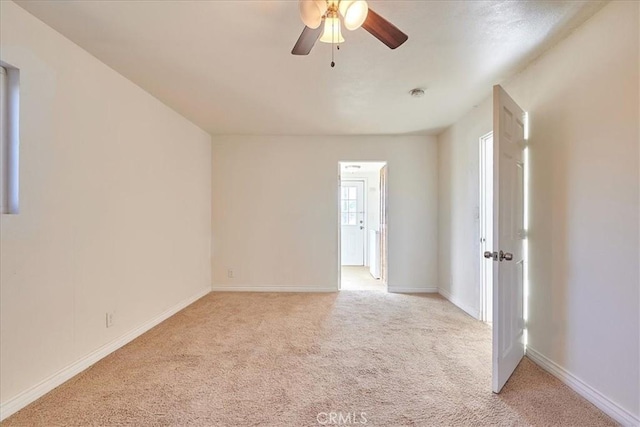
485, 217
365, 201
384, 225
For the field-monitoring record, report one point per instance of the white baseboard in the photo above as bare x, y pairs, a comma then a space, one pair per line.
602, 402
471, 311
412, 290
270, 288
26, 397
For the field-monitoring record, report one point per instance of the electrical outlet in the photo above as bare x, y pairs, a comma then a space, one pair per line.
109, 319
230, 273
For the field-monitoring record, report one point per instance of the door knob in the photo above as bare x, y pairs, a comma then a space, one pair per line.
491, 255
505, 256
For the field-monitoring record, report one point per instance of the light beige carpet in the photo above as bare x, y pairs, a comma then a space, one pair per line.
242, 359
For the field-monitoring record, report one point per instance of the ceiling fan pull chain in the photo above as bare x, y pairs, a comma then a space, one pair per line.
333, 41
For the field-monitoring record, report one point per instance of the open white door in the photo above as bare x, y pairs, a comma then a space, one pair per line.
508, 236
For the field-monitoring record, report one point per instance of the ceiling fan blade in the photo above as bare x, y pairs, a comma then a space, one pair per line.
384, 30
306, 40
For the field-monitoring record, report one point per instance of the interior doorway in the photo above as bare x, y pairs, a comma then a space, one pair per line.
486, 226
362, 225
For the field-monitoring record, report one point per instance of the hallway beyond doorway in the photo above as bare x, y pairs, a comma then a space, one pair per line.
355, 278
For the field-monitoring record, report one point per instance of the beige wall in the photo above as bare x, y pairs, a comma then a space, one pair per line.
584, 302
275, 220
115, 207
458, 208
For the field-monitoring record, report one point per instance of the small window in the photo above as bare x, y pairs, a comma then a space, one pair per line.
348, 206
9, 147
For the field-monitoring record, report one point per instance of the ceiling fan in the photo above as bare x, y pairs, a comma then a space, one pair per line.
353, 14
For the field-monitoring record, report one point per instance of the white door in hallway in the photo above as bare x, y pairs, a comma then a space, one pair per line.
352, 222
508, 236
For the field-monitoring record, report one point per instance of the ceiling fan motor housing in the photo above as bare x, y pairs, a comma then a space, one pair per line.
351, 12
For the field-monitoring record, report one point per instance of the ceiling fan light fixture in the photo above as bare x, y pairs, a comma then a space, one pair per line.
354, 13
311, 12
332, 32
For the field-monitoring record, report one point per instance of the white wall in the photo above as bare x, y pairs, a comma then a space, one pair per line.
459, 209
275, 217
115, 208
584, 302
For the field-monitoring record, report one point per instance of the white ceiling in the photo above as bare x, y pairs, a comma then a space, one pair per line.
226, 65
